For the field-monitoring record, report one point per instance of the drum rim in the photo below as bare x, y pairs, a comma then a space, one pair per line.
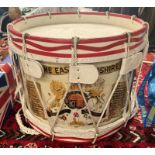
82, 41
71, 139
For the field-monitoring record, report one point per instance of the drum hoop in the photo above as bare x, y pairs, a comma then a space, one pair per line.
61, 55
83, 41
76, 139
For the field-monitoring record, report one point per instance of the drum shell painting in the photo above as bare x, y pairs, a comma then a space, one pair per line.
53, 86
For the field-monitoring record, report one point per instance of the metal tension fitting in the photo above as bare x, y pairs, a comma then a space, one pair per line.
25, 19
75, 41
132, 18
24, 36
127, 44
107, 14
50, 15
78, 12
74, 64
95, 138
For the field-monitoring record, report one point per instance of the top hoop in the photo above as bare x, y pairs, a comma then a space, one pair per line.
90, 49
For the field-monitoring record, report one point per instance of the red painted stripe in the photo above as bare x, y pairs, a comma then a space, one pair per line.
108, 39
138, 32
82, 47
63, 47
82, 41
67, 140
60, 55
84, 13
85, 41
37, 38
69, 41
43, 132
63, 139
99, 49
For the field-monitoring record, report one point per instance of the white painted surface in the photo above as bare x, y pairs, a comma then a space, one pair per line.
80, 30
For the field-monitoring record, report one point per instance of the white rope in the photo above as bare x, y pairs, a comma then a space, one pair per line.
89, 111
128, 99
145, 51
18, 88
56, 117
126, 45
129, 83
19, 84
132, 18
109, 99
74, 51
50, 15
24, 76
74, 62
51, 122
25, 19
22, 127
25, 93
35, 85
78, 12
107, 14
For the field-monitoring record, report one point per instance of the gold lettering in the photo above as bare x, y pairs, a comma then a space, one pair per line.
61, 70
57, 70
109, 69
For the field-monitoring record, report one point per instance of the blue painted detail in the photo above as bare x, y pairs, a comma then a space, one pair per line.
148, 115
3, 81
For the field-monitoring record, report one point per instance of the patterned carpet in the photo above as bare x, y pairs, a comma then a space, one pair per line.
131, 136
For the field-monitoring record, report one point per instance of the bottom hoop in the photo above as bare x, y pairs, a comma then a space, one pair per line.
64, 138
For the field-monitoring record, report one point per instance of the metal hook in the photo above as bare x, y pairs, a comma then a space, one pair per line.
107, 13
52, 136
146, 23
78, 12
128, 37
75, 41
25, 19
95, 138
24, 36
9, 35
57, 60
49, 14
127, 44
132, 18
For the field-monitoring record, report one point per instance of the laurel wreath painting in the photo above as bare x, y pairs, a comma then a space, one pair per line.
74, 101
58, 89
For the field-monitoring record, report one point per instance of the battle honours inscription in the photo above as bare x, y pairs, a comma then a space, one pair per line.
118, 100
35, 103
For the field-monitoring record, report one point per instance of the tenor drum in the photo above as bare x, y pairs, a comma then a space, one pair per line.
75, 72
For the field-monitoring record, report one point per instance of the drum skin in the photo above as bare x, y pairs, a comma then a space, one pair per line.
51, 100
